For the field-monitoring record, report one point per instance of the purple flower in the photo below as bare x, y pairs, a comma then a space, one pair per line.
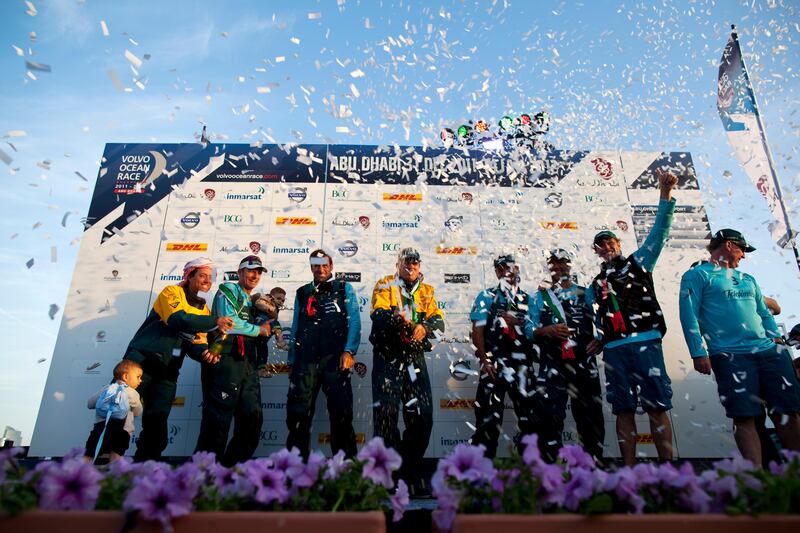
72, 485
626, 488
551, 479
444, 517
310, 473
531, 454
399, 501
447, 499
268, 482
290, 462
204, 460
467, 463
156, 498
574, 456
121, 467
187, 478
735, 465
579, 488
380, 462
7, 462
336, 465
228, 481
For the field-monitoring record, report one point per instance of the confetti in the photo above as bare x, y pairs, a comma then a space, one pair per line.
314, 15
135, 61
29, 263
39, 67
104, 28
53, 311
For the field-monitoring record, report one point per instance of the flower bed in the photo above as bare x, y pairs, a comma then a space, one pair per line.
154, 491
467, 483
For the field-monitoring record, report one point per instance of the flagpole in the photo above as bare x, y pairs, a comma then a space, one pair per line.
775, 182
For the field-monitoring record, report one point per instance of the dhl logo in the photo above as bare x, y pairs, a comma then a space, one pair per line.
645, 438
463, 403
552, 224
416, 197
325, 438
187, 247
295, 221
457, 250
179, 401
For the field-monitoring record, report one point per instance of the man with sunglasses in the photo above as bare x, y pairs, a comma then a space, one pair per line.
730, 330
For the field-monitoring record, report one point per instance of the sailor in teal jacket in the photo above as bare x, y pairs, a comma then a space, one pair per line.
231, 388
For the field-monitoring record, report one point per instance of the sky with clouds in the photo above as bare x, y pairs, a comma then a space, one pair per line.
613, 74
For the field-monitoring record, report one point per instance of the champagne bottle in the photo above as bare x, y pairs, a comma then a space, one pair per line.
216, 346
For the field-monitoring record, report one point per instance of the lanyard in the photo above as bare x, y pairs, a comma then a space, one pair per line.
406, 298
554, 304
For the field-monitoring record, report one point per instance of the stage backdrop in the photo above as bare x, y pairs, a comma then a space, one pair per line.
157, 206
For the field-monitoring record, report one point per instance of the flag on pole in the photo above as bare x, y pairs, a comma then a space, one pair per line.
738, 109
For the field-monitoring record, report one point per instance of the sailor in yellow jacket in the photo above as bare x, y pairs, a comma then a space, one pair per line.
176, 327
404, 318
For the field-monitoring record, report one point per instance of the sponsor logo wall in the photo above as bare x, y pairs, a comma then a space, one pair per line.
362, 204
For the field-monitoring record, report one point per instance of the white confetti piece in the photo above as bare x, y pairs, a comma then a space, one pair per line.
280, 59
59, 396
357, 73
314, 15
5, 158
104, 28
135, 61
31, 9
354, 90
295, 40
18, 50
16, 133
53, 254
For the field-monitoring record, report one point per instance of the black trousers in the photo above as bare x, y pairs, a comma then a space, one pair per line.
392, 390
305, 382
157, 391
577, 380
231, 393
490, 407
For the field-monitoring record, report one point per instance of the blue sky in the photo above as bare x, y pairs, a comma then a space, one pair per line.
614, 75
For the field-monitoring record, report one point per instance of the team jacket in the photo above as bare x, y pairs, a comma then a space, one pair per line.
388, 307
171, 322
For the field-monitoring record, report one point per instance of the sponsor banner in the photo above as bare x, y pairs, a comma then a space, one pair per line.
690, 227
351, 223
341, 195
231, 249
269, 164
292, 249
288, 197
185, 247
240, 220
187, 222
244, 195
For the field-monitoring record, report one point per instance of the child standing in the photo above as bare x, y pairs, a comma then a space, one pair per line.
115, 406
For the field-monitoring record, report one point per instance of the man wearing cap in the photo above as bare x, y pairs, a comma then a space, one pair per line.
631, 326
327, 332
562, 326
499, 318
405, 316
231, 388
724, 307
175, 327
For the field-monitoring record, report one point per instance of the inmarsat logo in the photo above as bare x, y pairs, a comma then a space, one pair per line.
348, 248
298, 194
190, 220
237, 196
554, 199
